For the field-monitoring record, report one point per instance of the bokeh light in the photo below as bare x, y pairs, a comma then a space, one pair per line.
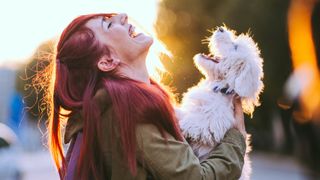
306, 71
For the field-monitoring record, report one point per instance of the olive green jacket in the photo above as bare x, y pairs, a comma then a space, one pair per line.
160, 158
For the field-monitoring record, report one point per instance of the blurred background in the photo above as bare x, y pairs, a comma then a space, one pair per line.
285, 128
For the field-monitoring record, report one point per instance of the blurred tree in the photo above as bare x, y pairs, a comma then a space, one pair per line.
31, 81
182, 24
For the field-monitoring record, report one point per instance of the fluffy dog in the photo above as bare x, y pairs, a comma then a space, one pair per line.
206, 111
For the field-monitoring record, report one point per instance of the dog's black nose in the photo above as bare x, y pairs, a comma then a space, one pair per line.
221, 29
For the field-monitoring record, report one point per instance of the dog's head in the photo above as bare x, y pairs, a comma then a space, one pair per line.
221, 42
235, 60
221, 45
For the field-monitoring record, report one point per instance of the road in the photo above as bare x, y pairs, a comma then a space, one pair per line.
265, 167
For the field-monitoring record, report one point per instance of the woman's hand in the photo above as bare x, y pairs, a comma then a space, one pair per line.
239, 117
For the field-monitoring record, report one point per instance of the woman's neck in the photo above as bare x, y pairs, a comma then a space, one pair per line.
137, 70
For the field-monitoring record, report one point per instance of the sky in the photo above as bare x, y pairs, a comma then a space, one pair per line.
27, 23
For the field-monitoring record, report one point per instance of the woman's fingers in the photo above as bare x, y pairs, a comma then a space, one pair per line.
239, 117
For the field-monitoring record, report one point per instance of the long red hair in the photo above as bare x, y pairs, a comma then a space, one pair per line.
76, 80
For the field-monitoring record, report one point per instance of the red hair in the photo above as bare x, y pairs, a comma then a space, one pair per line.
77, 54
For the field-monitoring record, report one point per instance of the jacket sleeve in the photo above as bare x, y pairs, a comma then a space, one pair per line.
172, 159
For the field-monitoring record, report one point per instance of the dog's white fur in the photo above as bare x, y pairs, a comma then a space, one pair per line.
206, 115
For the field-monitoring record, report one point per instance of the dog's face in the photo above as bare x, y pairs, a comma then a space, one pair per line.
236, 61
221, 42
222, 50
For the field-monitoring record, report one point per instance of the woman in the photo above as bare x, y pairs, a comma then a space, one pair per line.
121, 123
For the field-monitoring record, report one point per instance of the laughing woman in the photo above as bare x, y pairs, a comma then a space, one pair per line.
121, 123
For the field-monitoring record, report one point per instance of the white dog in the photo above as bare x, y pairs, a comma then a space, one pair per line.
207, 111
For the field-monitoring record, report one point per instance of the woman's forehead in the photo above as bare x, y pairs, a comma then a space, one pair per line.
100, 16
94, 22
98, 19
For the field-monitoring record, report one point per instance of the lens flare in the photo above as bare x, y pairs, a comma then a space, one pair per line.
304, 59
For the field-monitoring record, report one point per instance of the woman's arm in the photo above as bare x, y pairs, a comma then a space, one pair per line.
173, 159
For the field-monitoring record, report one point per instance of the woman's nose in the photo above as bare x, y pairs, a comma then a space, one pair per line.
123, 18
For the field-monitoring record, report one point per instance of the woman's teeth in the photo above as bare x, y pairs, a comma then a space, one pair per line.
132, 32
135, 32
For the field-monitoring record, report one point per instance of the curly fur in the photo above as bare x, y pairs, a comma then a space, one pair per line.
205, 113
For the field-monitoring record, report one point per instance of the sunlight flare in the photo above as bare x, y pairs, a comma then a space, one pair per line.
304, 59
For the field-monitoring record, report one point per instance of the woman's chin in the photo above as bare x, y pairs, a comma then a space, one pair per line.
150, 41
141, 44
143, 39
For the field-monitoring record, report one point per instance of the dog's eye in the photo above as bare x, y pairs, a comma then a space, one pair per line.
235, 47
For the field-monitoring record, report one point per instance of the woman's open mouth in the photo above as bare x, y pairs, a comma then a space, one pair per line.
210, 57
132, 32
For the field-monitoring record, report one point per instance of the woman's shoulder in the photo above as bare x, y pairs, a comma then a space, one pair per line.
102, 99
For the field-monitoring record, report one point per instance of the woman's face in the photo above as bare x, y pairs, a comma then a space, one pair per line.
120, 38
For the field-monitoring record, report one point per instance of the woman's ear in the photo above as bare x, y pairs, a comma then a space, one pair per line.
107, 63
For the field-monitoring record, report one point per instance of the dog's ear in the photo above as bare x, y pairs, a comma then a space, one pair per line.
248, 81
248, 84
245, 82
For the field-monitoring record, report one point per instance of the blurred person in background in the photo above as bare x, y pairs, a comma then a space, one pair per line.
16, 111
120, 122
9, 169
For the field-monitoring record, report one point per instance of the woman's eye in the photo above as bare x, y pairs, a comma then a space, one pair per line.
104, 23
109, 25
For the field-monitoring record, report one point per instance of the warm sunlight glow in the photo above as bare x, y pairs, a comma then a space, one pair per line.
25, 24
304, 57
